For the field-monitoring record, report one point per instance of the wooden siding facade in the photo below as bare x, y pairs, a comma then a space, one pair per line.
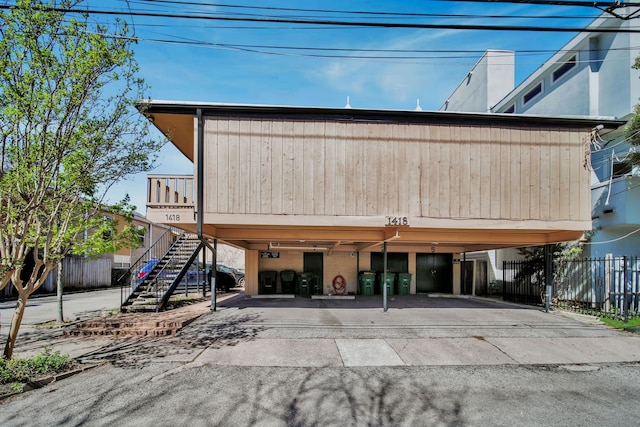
489, 176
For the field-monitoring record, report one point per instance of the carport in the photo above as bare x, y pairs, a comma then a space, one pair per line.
341, 191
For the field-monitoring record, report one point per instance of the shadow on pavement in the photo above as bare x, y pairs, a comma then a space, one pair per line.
394, 302
366, 396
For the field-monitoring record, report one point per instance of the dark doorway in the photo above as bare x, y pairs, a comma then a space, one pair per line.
467, 276
313, 263
434, 273
397, 262
481, 277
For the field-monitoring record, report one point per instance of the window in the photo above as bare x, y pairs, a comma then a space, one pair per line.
564, 68
511, 109
532, 93
142, 234
621, 169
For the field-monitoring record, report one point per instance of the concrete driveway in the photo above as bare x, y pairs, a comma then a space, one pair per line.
415, 331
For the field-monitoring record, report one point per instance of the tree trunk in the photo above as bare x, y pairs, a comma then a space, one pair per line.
15, 324
60, 319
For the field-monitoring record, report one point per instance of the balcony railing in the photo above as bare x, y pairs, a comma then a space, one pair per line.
170, 191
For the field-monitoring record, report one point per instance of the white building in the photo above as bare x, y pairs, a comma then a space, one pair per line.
592, 75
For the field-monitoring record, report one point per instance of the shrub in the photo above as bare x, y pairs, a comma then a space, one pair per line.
18, 370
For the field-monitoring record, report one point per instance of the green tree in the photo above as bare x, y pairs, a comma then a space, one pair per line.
633, 126
532, 270
68, 132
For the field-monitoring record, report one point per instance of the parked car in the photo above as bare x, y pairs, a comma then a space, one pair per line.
224, 280
146, 269
151, 263
237, 274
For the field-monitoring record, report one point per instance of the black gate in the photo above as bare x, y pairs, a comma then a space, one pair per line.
607, 286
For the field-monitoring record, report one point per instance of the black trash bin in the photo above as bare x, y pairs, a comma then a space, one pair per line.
268, 282
305, 284
288, 281
316, 286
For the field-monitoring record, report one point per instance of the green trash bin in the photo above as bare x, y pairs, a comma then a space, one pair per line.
366, 281
391, 278
404, 283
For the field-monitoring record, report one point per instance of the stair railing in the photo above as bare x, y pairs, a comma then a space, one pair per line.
129, 280
174, 267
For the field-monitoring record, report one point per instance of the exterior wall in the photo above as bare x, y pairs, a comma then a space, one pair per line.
490, 80
602, 83
124, 257
330, 168
346, 264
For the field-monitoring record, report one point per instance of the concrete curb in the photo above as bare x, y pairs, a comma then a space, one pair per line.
44, 381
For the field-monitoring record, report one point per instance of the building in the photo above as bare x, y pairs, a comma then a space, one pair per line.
336, 192
592, 75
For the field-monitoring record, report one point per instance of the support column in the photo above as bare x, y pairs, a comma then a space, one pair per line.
384, 277
214, 271
548, 275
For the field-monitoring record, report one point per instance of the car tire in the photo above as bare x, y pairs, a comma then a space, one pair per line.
241, 282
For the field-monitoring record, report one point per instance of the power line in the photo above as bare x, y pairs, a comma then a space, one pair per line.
609, 7
366, 13
352, 24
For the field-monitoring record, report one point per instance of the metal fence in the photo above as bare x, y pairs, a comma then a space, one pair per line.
607, 286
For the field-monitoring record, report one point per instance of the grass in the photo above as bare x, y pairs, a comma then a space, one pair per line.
620, 324
17, 372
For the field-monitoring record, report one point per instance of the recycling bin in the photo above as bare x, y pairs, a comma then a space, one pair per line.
391, 277
288, 281
268, 282
366, 281
404, 283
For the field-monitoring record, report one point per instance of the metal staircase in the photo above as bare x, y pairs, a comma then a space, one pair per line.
153, 280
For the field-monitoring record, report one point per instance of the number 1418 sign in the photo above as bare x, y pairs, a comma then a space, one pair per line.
397, 220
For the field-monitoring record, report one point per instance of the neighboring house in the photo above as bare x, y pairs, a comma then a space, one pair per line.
325, 191
591, 76
79, 272
149, 233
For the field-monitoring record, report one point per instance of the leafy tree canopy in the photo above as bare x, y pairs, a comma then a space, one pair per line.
68, 132
633, 127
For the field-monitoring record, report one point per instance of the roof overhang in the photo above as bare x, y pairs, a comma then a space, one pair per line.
176, 119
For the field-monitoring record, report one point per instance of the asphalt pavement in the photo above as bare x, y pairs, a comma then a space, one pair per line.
296, 362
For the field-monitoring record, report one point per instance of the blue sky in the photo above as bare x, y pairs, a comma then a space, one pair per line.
270, 75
